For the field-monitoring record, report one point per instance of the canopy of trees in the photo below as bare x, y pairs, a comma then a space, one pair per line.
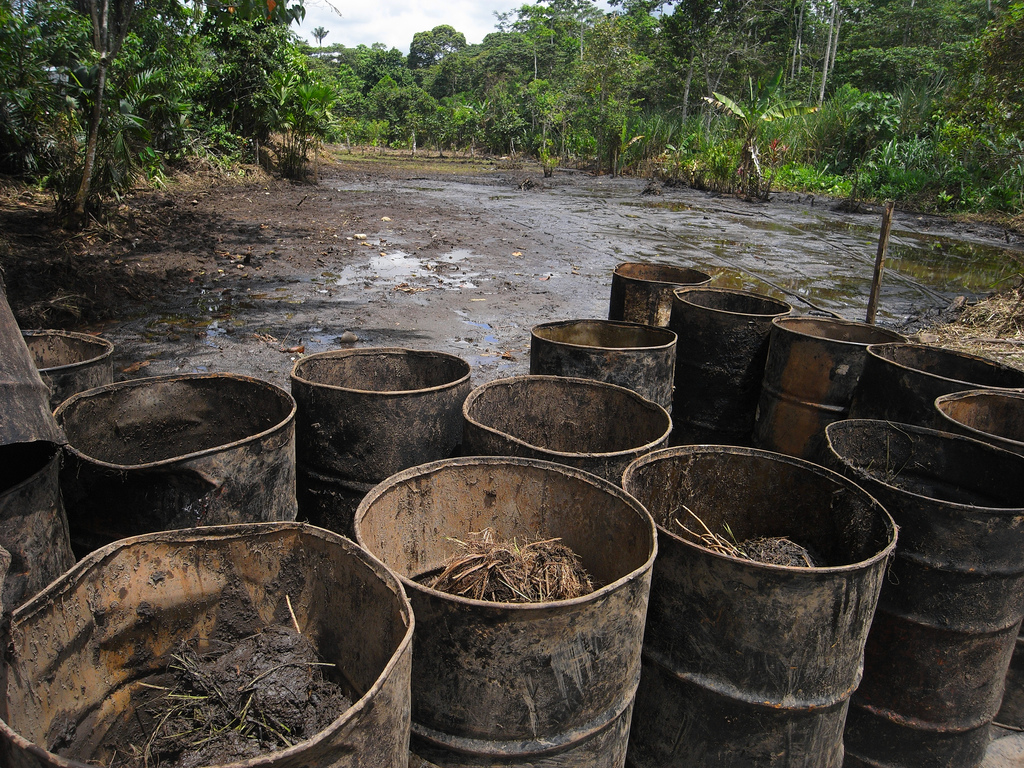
920, 100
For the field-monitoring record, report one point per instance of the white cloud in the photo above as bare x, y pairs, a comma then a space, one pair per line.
394, 23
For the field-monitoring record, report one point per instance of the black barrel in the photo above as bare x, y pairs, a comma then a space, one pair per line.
901, 381
952, 603
178, 451
517, 684
33, 528
996, 417
630, 355
720, 359
813, 366
642, 293
993, 416
83, 652
586, 424
365, 414
70, 362
747, 664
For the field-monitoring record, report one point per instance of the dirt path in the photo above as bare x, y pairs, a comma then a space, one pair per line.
453, 256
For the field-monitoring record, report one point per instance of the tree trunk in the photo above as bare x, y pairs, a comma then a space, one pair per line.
89, 163
828, 51
686, 88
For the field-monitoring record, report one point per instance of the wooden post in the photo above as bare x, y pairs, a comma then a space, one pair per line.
883, 245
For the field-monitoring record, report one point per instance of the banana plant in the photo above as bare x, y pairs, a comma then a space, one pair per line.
761, 105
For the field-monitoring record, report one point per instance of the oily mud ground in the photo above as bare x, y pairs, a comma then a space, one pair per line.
459, 256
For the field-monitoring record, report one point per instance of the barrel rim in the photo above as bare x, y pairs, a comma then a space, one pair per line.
678, 293
391, 351
572, 381
106, 344
652, 329
878, 350
930, 434
227, 532
990, 437
134, 383
619, 271
887, 519
550, 466
783, 323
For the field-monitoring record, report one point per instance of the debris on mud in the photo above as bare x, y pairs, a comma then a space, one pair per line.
992, 328
228, 704
510, 572
770, 550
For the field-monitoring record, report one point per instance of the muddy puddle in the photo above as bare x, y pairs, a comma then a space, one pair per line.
468, 265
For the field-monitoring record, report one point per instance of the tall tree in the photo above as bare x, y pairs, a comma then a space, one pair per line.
320, 33
429, 48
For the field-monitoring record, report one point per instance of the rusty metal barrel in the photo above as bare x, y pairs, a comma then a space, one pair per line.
365, 414
70, 362
33, 527
178, 451
748, 664
901, 381
813, 366
517, 684
720, 360
993, 416
585, 424
642, 293
631, 355
952, 604
82, 652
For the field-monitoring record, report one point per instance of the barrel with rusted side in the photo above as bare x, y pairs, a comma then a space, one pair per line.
996, 417
581, 423
813, 367
720, 359
631, 355
365, 414
747, 664
901, 381
82, 653
952, 604
517, 684
177, 451
70, 362
642, 293
33, 527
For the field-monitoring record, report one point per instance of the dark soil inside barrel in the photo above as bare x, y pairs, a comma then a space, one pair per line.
227, 704
530, 571
770, 550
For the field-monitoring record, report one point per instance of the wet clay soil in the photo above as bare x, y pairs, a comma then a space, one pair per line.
456, 255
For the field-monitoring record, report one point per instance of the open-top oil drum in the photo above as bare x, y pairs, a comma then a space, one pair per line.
720, 360
70, 362
630, 355
901, 381
33, 528
547, 682
951, 606
581, 423
642, 293
175, 452
752, 651
365, 414
110, 663
813, 366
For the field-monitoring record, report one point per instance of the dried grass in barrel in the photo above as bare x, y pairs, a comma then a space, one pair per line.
513, 572
770, 550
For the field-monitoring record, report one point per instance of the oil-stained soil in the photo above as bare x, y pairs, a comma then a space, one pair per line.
453, 255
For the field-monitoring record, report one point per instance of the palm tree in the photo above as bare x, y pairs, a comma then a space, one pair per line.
320, 33
761, 106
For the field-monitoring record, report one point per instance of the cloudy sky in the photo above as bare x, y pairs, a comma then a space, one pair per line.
394, 22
